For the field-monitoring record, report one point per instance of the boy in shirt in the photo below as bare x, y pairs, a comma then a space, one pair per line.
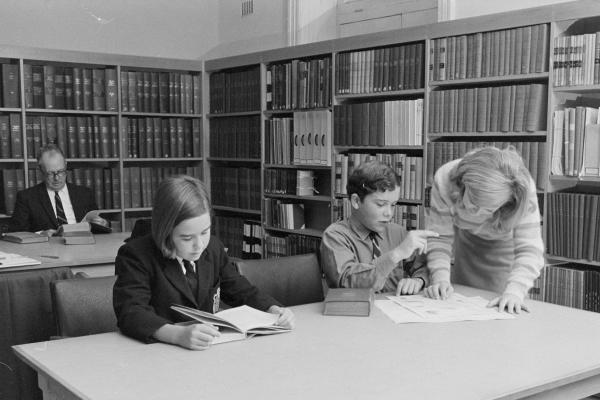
368, 250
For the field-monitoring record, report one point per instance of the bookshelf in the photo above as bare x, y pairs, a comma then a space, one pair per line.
494, 83
123, 122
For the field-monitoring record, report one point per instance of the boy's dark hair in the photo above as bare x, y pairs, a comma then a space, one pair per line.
370, 177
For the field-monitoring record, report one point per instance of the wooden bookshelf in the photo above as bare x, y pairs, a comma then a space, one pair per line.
77, 99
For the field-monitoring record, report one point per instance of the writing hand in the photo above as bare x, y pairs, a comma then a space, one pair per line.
286, 317
198, 336
440, 290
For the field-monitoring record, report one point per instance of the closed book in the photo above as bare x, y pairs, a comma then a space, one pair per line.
28, 85
24, 237
78, 238
10, 85
49, 75
348, 301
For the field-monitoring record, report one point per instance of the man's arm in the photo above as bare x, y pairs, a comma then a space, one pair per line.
21, 214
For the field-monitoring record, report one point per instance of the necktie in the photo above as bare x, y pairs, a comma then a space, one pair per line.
60, 211
191, 276
376, 248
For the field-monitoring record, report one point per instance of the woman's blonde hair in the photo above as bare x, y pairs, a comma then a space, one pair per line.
177, 198
497, 179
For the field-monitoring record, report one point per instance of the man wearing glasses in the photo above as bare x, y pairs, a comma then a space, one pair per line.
53, 202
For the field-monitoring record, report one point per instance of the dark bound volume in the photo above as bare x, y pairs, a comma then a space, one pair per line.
352, 302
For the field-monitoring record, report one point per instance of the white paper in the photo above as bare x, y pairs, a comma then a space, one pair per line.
16, 260
418, 308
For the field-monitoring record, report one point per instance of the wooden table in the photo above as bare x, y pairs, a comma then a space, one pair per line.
95, 259
553, 352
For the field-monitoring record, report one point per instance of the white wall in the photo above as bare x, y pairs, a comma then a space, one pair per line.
163, 28
264, 29
472, 8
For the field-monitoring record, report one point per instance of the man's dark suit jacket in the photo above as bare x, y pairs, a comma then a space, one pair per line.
33, 209
149, 283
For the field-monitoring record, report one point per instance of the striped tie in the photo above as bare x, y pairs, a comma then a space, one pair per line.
191, 276
60, 211
376, 248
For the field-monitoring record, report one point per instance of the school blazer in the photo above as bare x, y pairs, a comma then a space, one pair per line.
148, 284
33, 210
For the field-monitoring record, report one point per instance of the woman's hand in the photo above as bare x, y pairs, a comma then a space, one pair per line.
286, 317
512, 303
409, 286
440, 290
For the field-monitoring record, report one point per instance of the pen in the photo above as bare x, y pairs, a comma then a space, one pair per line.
48, 256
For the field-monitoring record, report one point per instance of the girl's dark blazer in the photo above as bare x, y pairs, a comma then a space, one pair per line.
148, 284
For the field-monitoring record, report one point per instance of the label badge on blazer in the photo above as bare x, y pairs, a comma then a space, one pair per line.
216, 300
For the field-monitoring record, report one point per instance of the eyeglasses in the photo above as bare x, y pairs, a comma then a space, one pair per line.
56, 174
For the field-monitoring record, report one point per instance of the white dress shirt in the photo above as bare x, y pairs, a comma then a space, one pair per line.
66, 202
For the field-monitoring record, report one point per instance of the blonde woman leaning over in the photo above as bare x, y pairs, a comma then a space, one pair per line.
484, 206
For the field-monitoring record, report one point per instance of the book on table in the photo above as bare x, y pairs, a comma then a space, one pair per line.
236, 323
348, 301
24, 237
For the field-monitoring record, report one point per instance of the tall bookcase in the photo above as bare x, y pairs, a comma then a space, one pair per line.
123, 122
488, 80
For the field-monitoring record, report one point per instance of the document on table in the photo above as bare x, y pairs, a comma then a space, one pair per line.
16, 260
418, 308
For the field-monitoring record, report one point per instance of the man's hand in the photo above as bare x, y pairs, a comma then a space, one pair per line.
415, 240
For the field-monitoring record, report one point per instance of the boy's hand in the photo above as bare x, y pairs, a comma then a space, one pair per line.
286, 316
415, 240
409, 286
440, 290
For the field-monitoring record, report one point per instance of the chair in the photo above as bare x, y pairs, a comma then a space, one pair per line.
83, 306
290, 280
142, 227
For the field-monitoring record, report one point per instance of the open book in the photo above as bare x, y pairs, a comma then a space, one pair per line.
236, 323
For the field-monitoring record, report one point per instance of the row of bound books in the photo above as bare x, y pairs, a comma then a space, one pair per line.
290, 245
514, 51
288, 181
285, 214
235, 91
235, 137
104, 182
140, 183
533, 153
242, 238
236, 187
299, 84
11, 142
514, 108
569, 284
408, 216
161, 92
380, 70
77, 136
70, 88
387, 123
161, 137
408, 168
576, 142
576, 60
573, 225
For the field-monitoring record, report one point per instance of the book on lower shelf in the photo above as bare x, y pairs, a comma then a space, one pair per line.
236, 323
24, 237
349, 301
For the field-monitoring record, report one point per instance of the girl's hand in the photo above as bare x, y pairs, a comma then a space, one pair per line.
196, 336
409, 286
286, 316
513, 304
440, 290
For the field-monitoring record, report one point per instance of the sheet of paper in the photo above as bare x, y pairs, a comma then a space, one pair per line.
418, 308
90, 215
247, 318
16, 260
